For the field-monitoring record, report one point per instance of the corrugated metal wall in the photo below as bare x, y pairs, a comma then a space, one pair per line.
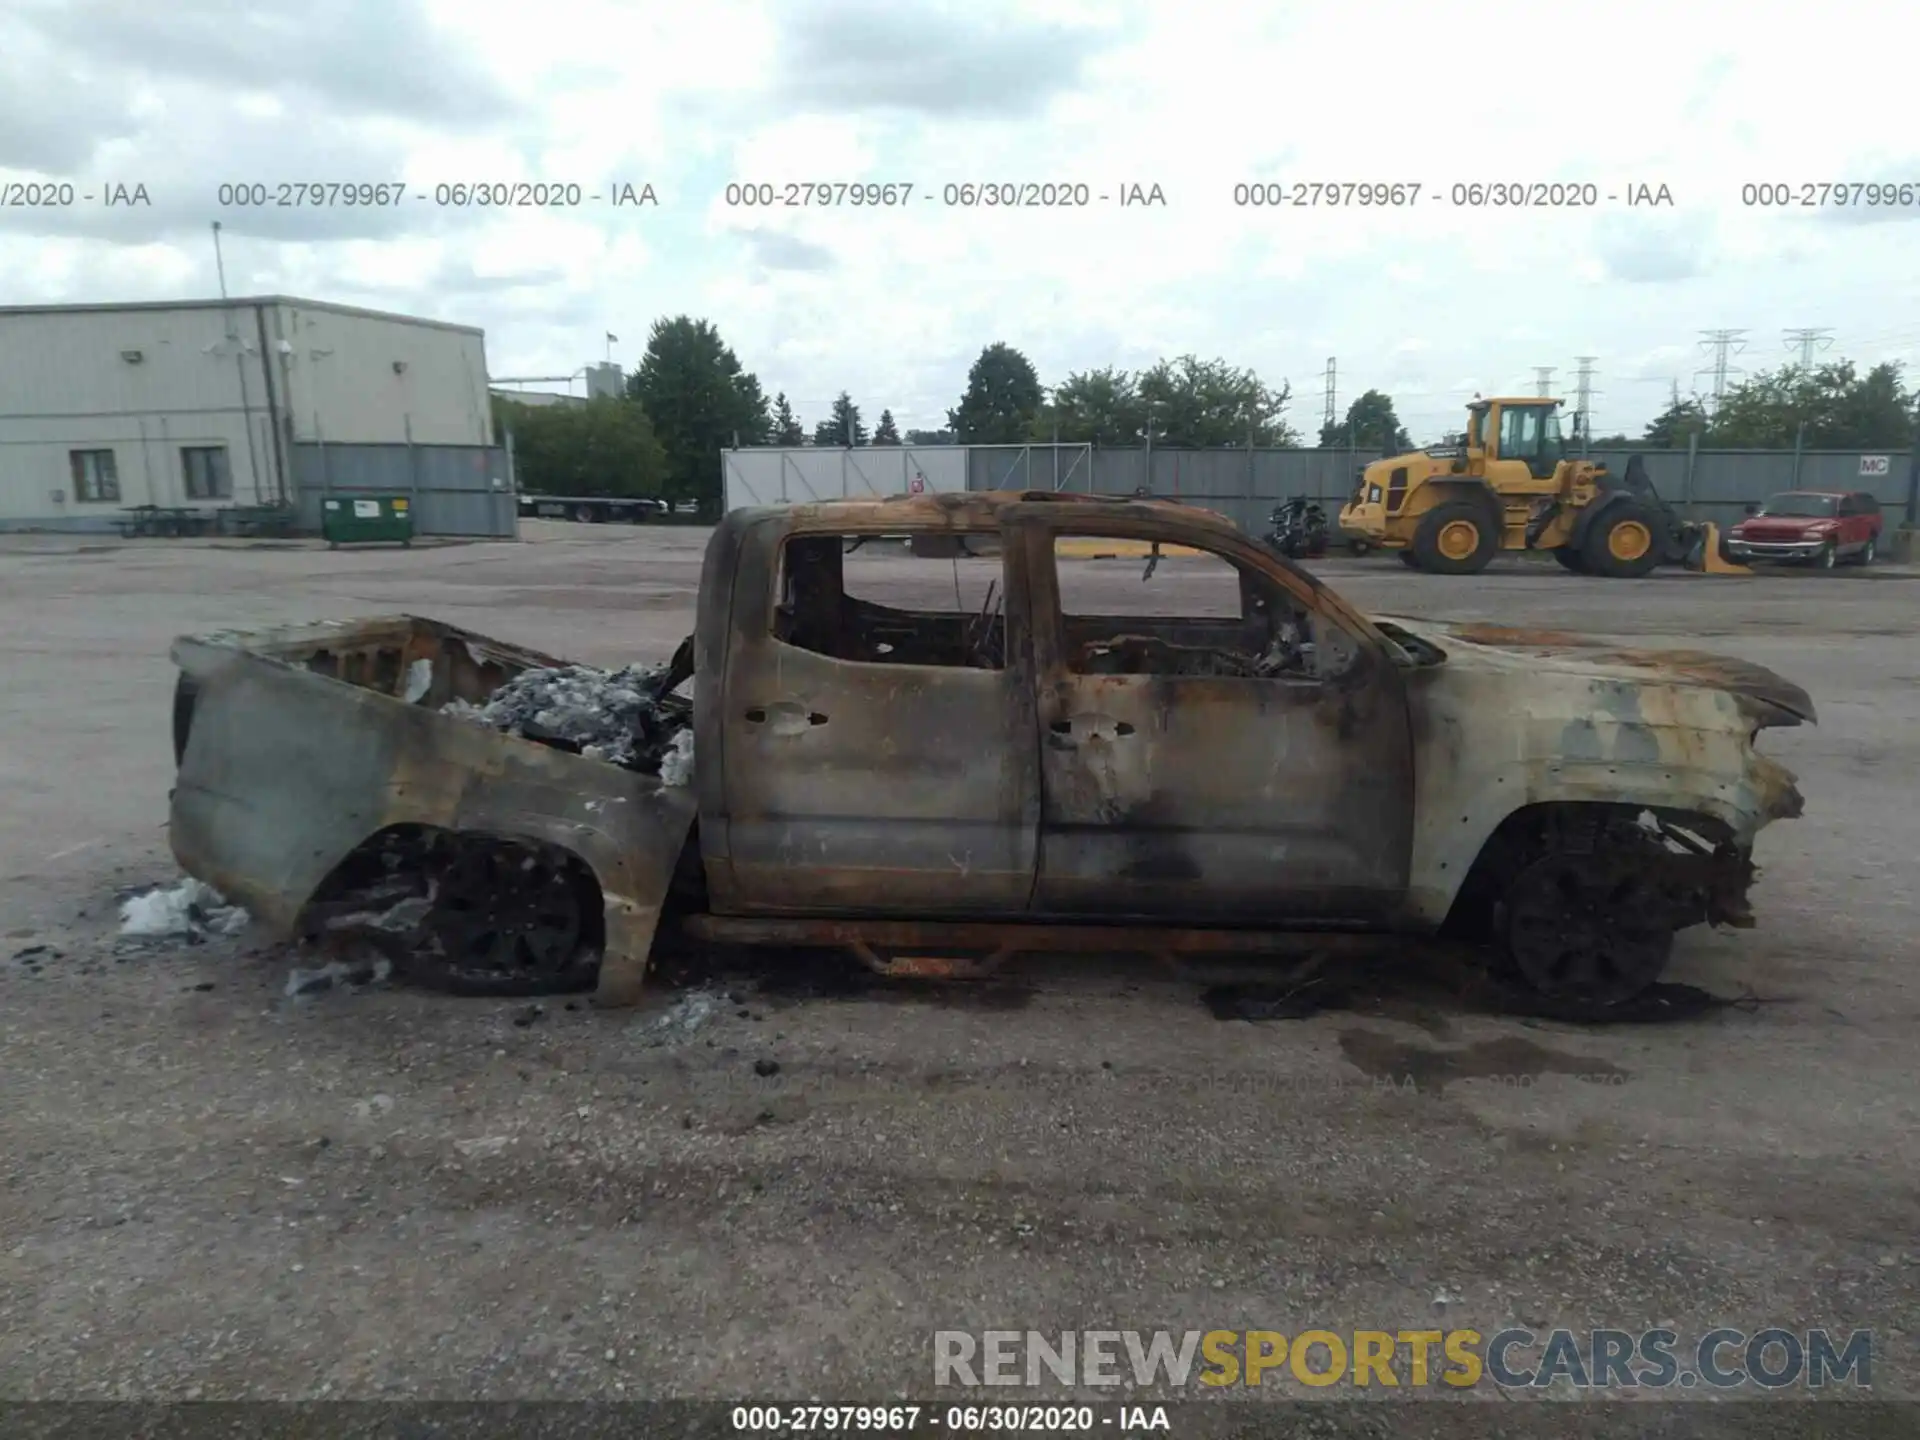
455, 489
352, 378
779, 476
1722, 483
1245, 484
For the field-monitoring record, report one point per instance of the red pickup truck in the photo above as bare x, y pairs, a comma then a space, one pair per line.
1821, 526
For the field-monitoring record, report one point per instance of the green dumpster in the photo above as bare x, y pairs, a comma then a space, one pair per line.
366, 520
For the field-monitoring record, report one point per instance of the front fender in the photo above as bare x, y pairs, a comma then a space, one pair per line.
1446, 843
1482, 754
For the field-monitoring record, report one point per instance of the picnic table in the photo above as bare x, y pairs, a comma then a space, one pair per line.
165, 520
177, 520
271, 520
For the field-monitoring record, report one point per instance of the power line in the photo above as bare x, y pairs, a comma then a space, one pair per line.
1543, 379
1806, 341
1584, 392
1723, 343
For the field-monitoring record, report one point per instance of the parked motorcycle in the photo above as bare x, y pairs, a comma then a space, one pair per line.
1297, 528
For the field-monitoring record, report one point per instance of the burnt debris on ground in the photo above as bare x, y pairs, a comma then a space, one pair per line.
628, 717
1374, 986
190, 912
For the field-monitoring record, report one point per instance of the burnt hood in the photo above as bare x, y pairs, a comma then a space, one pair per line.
1778, 701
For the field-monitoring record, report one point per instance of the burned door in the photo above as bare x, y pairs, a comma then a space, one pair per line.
880, 750
1214, 749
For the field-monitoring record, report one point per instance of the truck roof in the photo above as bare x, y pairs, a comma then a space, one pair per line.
974, 509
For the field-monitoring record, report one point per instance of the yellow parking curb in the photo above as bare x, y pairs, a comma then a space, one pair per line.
1089, 548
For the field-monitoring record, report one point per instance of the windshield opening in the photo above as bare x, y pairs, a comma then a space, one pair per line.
1798, 504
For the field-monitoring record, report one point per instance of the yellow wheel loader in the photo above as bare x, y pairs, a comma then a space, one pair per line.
1511, 486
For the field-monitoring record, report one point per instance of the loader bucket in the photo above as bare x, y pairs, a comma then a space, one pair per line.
1706, 555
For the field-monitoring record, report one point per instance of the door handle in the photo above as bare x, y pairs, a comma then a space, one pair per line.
1092, 724
787, 717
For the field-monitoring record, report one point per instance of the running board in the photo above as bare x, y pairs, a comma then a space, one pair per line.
959, 950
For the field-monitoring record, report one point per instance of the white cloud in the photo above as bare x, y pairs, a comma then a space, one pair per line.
1429, 301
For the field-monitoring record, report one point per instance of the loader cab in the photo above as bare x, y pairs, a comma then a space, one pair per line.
1482, 431
1527, 431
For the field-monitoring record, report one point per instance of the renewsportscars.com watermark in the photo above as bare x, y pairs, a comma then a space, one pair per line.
1721, 1359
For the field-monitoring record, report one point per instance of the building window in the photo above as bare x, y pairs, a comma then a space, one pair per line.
95, 480
208, 477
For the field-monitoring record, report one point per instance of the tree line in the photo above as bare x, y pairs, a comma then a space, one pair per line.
1817, 407
690, 398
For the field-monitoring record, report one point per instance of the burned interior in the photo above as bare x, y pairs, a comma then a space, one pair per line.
819, 610
1196, 614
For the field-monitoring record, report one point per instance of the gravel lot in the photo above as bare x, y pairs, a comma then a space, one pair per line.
211, 1190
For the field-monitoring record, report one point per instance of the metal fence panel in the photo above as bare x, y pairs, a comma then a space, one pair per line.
454, 489
1031, 467
1245, 484
790, 475
1722, 483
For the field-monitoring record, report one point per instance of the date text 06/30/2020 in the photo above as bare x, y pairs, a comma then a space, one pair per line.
1005, 194
1460, 194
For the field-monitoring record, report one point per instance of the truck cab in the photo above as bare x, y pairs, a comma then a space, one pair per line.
1030, 755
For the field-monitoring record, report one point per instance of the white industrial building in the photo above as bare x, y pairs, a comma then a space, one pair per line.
606, 379
538, 399
208, 404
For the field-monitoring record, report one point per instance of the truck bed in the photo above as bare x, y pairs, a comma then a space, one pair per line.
302, 748
408, 657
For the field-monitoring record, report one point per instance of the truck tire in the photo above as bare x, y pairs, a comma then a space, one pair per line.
513, 919
1622, 543
1584, 929
1456, 539
1569, 559
1409, 559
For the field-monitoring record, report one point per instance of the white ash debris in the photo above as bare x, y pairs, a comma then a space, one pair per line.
376, 913
419, 680
686, 1015
676, 766
624, 717
337, 974
192, 911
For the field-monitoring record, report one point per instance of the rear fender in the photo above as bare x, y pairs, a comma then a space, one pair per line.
286, 773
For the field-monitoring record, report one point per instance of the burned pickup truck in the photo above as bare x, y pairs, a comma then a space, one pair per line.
1040, 722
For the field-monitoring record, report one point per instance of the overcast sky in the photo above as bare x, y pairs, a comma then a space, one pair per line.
1430, 302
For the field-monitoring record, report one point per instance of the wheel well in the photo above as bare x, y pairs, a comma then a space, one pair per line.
374, 871
1533, 830
1446, 490
1606, 502
186, 694
687, 893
